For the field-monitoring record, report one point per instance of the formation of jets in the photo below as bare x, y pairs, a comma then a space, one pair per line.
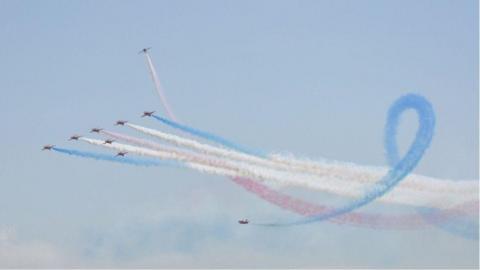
98, 130
121, 123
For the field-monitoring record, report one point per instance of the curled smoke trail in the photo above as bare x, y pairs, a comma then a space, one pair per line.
374, 193
462, 227
275, 158
210, 136
401, 168
158, 86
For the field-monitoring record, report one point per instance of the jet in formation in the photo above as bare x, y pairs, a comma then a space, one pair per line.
243, 221
121, 154
75, 137
48, 147
147, 113
144, 50
120, 123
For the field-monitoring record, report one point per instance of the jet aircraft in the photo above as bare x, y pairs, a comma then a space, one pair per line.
48, 147
144, 50
148, 113
243, 221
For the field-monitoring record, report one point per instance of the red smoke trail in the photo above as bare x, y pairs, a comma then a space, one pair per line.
402, 222
159, 87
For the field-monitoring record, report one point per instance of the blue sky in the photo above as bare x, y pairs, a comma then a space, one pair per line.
314, 78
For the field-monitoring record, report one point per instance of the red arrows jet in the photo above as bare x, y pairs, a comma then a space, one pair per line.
121, 154
74, 137
243, 221
147, 113
144, 50
120, 123
48, 147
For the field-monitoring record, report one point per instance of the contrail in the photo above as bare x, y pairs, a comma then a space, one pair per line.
233, 169
158, 86
347, 173
401, 168
289, 203
341, 170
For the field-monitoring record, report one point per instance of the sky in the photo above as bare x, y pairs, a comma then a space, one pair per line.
312, 78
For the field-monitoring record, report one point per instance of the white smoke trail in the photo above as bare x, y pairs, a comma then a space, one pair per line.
232, 169
324, 171
158, 87
136, 141
369, 174
201, 147
166, 155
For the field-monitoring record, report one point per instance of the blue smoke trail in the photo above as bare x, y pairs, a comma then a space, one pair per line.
118, 159
461, 224
211, 137
400, 167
